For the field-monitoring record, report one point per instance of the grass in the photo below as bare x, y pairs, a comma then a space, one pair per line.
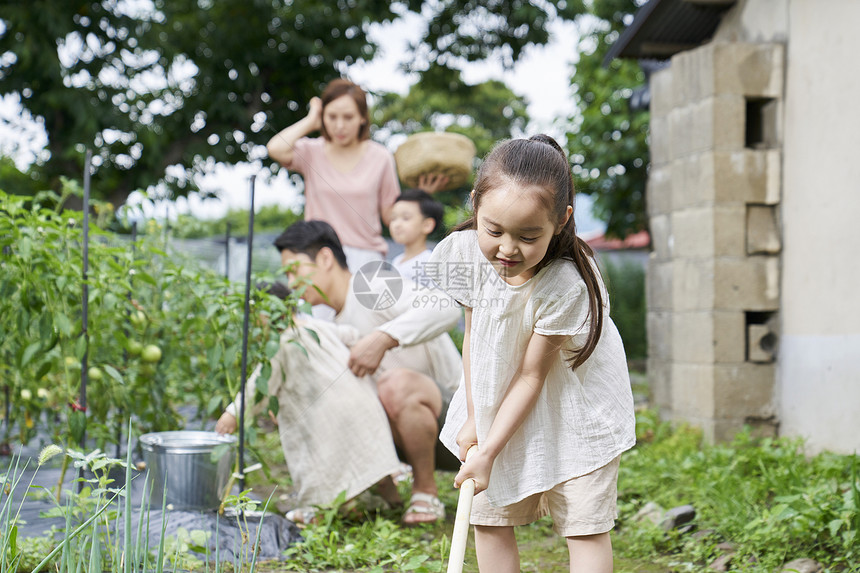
765, 497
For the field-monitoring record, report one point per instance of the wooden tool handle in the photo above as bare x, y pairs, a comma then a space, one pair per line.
461, 523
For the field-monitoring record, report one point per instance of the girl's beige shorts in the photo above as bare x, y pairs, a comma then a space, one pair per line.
584, 505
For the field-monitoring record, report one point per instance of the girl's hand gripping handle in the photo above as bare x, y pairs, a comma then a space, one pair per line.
461, 522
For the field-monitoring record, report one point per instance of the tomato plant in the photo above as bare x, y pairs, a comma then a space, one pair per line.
162, 332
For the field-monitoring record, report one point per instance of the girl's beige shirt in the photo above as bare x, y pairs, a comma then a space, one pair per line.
583, 419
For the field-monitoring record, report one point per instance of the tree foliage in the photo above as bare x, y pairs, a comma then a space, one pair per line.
485, 113
174, 84
474, 30
161, 91
267, 219
607, 141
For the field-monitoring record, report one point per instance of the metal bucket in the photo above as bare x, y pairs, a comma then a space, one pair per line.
181, 466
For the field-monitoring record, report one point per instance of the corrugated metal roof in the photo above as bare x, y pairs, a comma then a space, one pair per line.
662, 28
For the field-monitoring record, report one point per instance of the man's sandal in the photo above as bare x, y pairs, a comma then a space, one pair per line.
423, 504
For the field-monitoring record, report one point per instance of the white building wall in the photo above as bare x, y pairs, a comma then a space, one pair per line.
818, 369
756, 21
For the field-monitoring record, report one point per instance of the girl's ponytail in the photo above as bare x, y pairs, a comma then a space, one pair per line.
583, 257
568, 245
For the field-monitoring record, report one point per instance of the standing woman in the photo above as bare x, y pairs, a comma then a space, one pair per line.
350, 181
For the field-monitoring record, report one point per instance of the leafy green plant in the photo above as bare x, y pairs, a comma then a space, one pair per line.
608, 138
625, 281
344, 537
268, 218
161, 331
10, 553
81, 543
95, 512
764, 495
93, 492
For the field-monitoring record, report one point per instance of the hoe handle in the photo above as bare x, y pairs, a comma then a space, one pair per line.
461, 523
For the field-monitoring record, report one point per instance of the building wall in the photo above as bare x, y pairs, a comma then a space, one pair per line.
819, 352
751, 194
817, 375
757, 21
713, 196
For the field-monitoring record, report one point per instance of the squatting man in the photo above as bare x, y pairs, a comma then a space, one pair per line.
353, 392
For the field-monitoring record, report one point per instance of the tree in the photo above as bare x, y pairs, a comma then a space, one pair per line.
485, 113
173, 85
473, 30
608, 142
161, 92
14, 181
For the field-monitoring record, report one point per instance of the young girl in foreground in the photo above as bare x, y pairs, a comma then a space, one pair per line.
546, 394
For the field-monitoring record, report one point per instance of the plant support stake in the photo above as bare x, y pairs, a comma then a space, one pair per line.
245, 339
84, 302
227, 251
126, 332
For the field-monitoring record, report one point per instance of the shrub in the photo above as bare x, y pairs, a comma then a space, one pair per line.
625, 281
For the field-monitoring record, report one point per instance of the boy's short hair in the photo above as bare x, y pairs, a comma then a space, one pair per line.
308, 237
430, 208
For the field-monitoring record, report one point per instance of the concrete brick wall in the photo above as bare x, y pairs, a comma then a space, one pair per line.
713, 197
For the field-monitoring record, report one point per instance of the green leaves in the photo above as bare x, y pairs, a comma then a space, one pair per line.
28, 353
248, 81
608, 140
485, 113
161, 332
114, 373
63, 324
474, 30
77, 426
764, 495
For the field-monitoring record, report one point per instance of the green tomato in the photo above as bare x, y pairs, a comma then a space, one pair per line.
95, 373
71, 362
151, 353
137, 318
134, 348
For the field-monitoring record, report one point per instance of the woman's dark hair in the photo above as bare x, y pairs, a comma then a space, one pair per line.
340, 87
308, 237
430, 208
540, 162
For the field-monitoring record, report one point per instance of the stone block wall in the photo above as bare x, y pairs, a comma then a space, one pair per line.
713, 200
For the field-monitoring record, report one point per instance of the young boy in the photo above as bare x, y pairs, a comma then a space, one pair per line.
414, 216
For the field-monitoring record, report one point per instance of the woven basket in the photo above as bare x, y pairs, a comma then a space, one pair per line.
446, 153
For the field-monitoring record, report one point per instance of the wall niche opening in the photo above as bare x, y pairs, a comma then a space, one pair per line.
761, 123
